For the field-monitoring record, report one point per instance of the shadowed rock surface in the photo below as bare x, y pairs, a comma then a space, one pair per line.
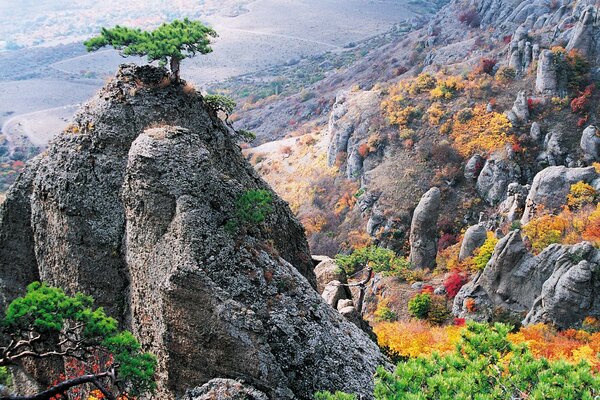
560, 286
423, 231
130, 205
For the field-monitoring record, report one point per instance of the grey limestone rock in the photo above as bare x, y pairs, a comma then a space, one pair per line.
590, 143
224, 389
558, 286
131, 206
423, 230
473, 239
551, 186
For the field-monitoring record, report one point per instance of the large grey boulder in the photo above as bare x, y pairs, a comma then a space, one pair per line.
473, 167
551, 186
546, 79
590, 143
519, 113
558, 286
511, 209
131, 206
570, 294
334, 292
225, 389
497, 173
473, 239
423, 230
326, 271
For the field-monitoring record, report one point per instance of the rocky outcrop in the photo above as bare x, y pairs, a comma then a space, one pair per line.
423, 230
326, 271
131, 205
512, 208
348, 127
570, 294
585, 35
473, 167
519, 114
590, 144
551, 186
546, 80
224, 389
334, 292
497, 173
559, 286
473, 239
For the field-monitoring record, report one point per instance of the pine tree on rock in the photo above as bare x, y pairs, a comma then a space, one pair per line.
169, 43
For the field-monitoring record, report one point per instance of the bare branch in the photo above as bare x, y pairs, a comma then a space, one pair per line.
62, 387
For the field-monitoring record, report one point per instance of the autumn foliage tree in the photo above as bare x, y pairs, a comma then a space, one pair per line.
48, 324
169, 43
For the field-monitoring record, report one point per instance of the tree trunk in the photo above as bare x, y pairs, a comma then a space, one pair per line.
175, 63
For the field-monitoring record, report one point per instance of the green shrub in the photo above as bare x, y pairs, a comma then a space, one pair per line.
5, 378
419, 305
384, 313
219, 103
378, 258
251, 209
486, 365
334, 396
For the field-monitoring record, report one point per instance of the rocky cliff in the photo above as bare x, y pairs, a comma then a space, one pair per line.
133, 204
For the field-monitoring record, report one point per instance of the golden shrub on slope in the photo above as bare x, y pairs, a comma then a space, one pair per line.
483, 132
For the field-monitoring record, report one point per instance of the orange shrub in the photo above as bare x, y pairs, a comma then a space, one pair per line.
571, 345
417, 338
483, 132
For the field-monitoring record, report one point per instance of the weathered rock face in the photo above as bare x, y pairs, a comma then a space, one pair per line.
224, 389
511, 209
546, 79
131, 206
474, 238
551, 186
349, 125
590, 143
497, 173
519, 113
423, 230
561, 285
585, 35
326, 271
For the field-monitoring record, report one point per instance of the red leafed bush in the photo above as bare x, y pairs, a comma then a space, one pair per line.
446, 241
507, 39
582, 121
581, 103
459, 322
363, 150
533, 104
454, 282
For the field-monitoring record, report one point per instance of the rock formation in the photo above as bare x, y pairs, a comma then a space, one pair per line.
423, 230
551, 186
590, 144
497, 173
546, 79
349, 125
222, 389
474, 238
559, 286
132, 205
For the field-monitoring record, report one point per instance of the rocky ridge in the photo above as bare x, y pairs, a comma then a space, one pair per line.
131, 205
